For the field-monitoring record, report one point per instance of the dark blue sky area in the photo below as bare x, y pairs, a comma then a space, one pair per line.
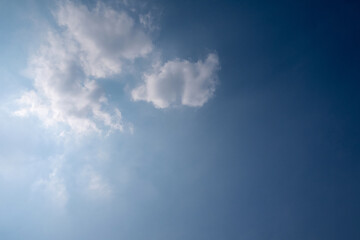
281, 145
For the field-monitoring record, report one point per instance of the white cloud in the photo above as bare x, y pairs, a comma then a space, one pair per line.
92, 44
105, 36
179, 82
63, 93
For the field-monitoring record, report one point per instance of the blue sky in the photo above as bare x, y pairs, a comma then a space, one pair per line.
179, 120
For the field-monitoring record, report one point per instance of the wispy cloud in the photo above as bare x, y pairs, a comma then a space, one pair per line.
53, 186
94, 184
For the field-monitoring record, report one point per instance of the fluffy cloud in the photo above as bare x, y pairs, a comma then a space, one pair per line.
179, 82
91, 44
106, 37
63, 92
